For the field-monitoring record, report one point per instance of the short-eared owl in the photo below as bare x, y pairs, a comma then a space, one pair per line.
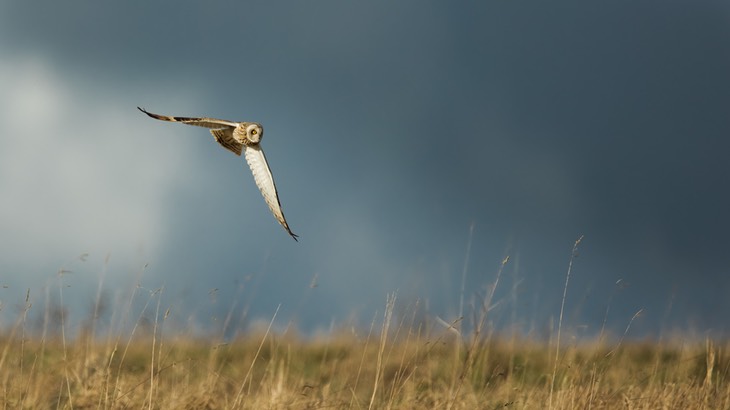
237, 137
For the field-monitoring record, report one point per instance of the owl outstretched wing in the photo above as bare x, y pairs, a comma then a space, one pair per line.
205, 122
222, 130
265, 181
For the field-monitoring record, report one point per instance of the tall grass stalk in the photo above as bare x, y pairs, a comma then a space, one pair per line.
573, 255
239, 395
481, 313
387, 316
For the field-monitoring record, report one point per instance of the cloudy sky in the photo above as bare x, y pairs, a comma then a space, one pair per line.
391, 129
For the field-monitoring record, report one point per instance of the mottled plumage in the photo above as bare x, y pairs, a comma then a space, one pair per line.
240, 137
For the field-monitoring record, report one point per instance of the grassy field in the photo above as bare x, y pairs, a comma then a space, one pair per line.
404, 360
398, 364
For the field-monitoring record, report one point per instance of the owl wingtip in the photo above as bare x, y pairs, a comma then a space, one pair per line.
292, 234
145, 111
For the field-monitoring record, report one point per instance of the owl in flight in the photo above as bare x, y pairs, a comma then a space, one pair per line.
237, 137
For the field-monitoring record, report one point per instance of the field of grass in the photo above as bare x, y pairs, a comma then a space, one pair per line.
404, 360
398, 364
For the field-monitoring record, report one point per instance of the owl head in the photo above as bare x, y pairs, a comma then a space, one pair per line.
254, 132
248, 133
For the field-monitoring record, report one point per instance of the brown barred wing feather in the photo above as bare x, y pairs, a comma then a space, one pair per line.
205, 122
224, 136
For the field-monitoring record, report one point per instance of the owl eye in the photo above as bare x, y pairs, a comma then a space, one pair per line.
254, 131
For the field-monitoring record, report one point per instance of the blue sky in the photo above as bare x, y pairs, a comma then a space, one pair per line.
390, 129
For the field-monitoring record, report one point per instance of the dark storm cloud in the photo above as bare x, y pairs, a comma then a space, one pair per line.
391, 128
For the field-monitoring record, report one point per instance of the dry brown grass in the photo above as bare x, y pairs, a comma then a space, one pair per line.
396, 366
404, 361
